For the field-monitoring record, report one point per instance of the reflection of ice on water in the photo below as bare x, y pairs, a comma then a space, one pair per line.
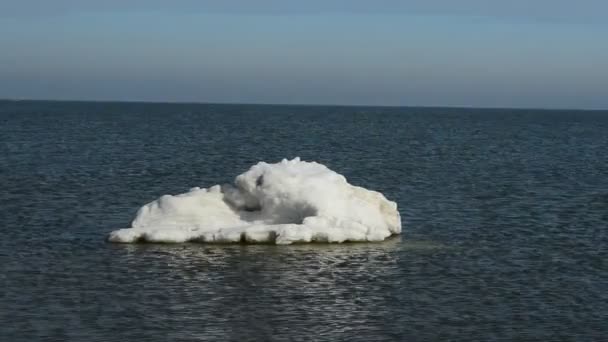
264, 289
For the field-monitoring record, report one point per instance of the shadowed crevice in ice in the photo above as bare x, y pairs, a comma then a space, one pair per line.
288, 202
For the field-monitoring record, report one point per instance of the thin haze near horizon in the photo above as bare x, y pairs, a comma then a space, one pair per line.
546, 54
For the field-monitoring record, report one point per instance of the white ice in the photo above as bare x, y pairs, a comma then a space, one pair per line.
292, 201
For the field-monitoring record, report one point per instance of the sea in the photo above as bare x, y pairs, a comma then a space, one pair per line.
505, 225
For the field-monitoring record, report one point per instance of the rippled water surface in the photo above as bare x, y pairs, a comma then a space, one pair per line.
505, 225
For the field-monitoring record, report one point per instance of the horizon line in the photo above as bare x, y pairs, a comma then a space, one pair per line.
518, 108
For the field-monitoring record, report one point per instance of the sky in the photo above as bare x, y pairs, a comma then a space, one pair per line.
477, 53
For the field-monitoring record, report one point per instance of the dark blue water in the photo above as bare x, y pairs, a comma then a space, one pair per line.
505, 225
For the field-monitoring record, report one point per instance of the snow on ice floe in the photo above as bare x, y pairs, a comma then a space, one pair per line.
292, 201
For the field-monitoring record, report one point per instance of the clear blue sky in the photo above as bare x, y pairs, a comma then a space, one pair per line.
518, 53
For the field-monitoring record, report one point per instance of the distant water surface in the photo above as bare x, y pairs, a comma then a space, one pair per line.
505, 225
